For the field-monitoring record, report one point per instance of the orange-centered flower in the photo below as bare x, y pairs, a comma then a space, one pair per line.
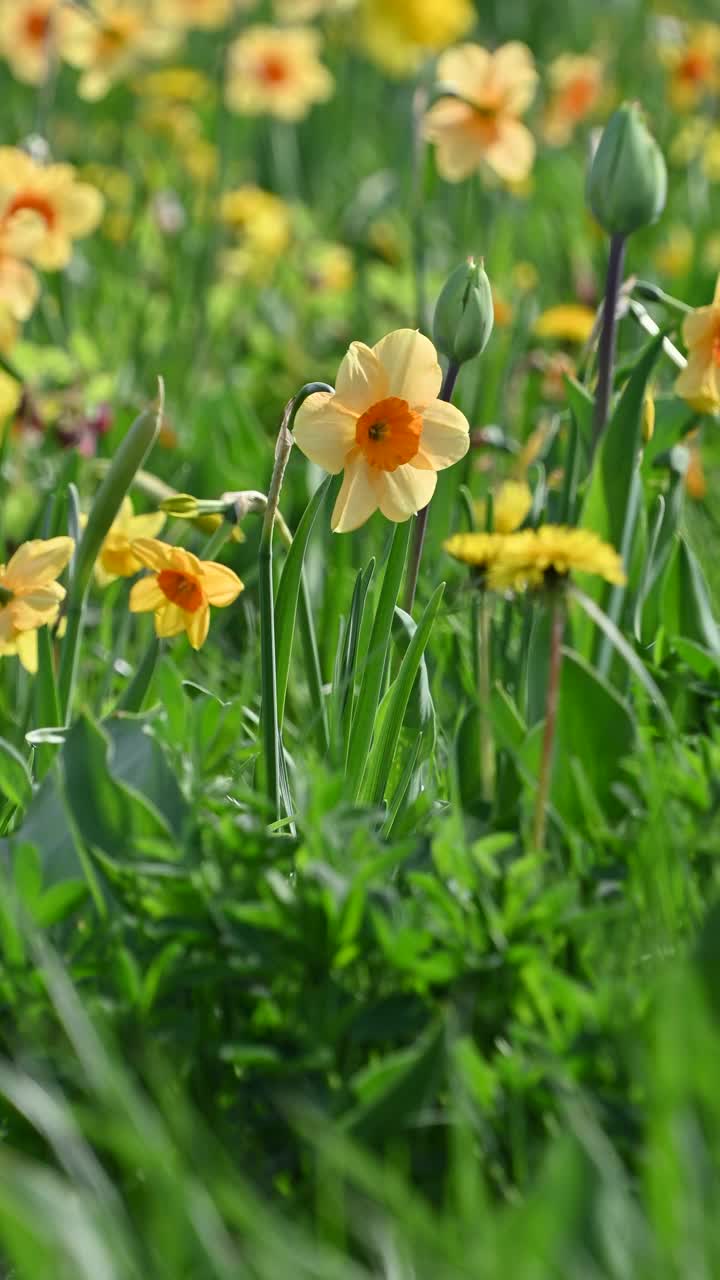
276, 71
576, 83
699, 382
107, 44
26, 34
385, 428
481, 123
180, 589
61, 208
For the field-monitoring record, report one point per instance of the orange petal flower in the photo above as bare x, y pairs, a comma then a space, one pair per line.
385, 428
276, 71
47, 206
180, 589
699, 382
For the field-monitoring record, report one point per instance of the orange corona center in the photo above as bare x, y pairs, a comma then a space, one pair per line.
273, 69
34, 201
388, 433
696, 66
181, 589
37, 26
579, 96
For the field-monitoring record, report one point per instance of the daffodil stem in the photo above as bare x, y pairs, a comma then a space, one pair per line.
557, 626
217, 541
487, 747
269, 720
419, 245
608, 334
134, 695
421, 519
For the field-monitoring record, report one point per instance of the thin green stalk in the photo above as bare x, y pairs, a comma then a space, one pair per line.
551, 710
217, 541
608, 335
127, 461
134, 694
484, 660
421, 519
419, 247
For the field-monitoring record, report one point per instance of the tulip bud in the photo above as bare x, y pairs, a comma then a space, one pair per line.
627, 182
464, 313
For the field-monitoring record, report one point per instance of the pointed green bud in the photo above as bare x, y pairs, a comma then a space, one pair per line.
627, 182
464, 313
181, 505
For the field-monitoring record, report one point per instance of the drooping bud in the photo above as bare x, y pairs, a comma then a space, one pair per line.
183, 506
464, 313
627, 182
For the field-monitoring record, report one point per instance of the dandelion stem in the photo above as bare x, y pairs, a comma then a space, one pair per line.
608, 334
421, 519
551, 709
487, 748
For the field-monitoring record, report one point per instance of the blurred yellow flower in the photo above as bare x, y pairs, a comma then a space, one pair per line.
695, 481
385, 428
304, 10
19, 287
27, 34
478, 550
276, 71
711, 253
481, 124
648, 416
117, 558
10, 395
694, 64
674, 256
208, 14
511, 504
261, 222
568, 322
65, 208
108, 42
175, 84
30, 596
699, 382
537, 557
576, 83
330, 268
401, 34
180, 589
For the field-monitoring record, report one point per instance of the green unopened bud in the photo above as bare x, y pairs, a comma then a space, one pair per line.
181, 505
627, 182
464, 313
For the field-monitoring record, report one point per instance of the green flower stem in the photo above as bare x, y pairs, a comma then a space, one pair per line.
135, 693
127, 461
551, 710
421, 519
608, 334
653, 293
217, 541
419, 244
484, 670
269, 722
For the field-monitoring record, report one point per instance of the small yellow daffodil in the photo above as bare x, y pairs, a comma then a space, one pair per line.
276, 71
699, 382
63, 209
180, 589
30, 596
117, 558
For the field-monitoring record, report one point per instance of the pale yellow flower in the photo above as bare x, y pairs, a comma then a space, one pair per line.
261, 223
694, 64
66, 209
30, 596
206, 14
19, 286
27, 35
481, 125
511, 504
180, 589
576, 84
699, 382
385, 428
330, 268
175, 84
276, 71
108, 42
401, 34
567, 322
117, 558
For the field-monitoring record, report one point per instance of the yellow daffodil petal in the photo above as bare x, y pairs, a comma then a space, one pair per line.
197, 626
147, 526
411, 366
220, 584
445, 434
324, 430
361, 379
170, 620
160, 555
146, 595
36, 563
357, 499
26, 645
402, 492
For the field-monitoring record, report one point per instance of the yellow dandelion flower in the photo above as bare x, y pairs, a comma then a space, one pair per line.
400, 34
537, 557
480, 551
330, 268
276, 71
64, 209
385, 428
180, 589
117, 558
576, 84
568, 322
175, 84
482, 125
511, 504
30, 596
108, 42
699, 382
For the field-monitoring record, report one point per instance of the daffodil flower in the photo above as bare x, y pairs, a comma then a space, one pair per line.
30, 596
180, 589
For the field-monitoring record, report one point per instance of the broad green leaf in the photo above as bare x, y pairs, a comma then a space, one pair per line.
686, 609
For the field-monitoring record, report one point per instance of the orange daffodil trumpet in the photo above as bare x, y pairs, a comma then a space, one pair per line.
385, 428
30, 596
180, 589
699, 382
276, 71
480, 124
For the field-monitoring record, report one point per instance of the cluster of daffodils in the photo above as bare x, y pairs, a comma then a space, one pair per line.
31, 596
43, 210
